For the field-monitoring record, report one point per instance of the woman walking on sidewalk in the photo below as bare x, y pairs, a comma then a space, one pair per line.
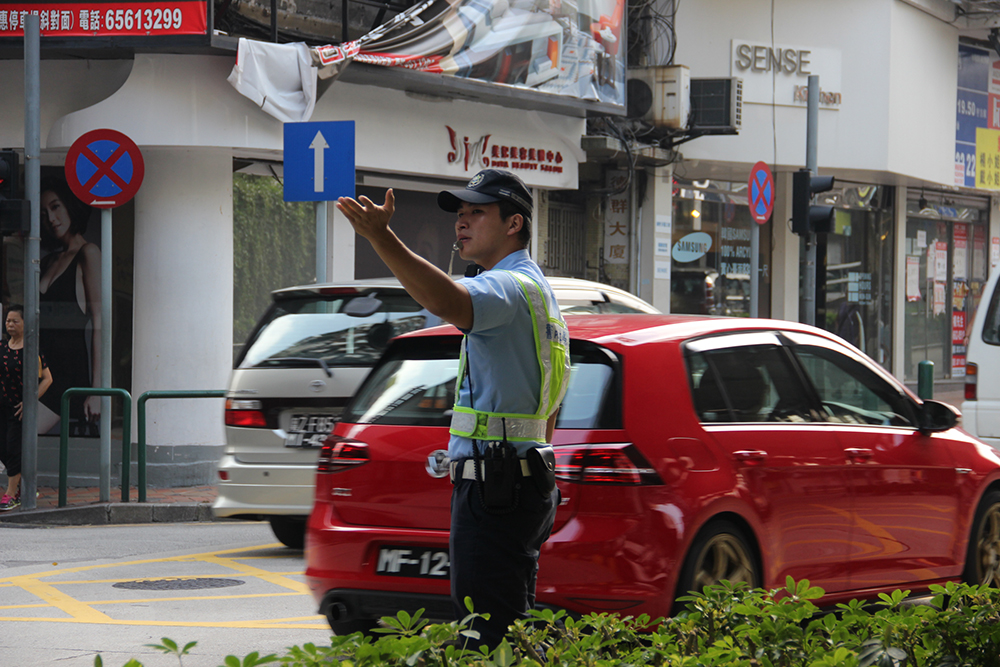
11, 402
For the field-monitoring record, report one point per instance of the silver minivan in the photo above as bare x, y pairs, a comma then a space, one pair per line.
302, 362
981, 407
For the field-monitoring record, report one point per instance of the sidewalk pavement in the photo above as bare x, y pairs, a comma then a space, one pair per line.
84, 507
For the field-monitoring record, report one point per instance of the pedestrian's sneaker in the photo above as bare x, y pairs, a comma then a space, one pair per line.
8, 503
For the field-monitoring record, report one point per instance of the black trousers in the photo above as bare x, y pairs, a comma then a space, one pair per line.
10, 440
494, 557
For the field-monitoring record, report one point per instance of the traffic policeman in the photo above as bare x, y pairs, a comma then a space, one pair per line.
513, 373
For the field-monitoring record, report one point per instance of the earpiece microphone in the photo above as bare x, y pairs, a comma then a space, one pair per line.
455, 247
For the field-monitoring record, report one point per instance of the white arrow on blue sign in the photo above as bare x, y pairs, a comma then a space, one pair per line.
319, 160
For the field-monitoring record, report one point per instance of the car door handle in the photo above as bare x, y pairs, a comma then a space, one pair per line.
750, 455
858, 454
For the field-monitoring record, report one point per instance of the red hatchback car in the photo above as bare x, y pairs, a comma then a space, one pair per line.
689, 450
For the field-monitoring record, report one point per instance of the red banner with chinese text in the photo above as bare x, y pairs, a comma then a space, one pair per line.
104, 19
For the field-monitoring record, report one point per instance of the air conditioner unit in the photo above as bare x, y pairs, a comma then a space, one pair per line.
717, 105
660, 95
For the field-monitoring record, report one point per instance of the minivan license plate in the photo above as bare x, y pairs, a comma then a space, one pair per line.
413, 562
307, 430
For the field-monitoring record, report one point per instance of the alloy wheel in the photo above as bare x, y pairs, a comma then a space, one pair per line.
725, 556
988, 547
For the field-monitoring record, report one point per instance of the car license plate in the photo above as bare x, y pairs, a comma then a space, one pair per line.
413, 562
307, 430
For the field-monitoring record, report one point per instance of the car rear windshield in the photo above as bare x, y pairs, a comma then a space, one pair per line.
414, 385
300, 330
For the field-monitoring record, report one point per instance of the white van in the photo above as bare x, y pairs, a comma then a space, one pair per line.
981, 407
302, 362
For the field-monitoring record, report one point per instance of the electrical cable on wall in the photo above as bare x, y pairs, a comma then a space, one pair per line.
652, 41
652, 38
610, 127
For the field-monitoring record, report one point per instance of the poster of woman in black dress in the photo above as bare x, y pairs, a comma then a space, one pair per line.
69, 308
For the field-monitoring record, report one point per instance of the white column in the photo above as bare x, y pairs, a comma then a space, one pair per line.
341, 240
785, 255
898, 362
183, 304
656, 228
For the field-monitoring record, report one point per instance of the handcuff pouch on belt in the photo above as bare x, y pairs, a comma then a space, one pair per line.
542, 463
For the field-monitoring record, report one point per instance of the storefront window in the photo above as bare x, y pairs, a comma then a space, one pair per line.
422, 226
710, 255
946, 264
855, 289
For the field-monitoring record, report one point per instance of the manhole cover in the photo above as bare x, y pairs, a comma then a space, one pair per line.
177, 584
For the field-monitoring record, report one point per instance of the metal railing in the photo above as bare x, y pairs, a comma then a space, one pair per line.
126, 432
141, 416
64, 434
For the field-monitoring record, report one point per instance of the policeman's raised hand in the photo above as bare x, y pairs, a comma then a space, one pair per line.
368, 218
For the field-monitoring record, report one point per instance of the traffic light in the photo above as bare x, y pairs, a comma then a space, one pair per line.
806, 216
9, 172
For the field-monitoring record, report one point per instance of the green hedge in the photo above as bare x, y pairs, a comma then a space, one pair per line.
727, 625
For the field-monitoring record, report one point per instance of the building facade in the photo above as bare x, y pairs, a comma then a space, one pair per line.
174, 243
905, 86
665, 215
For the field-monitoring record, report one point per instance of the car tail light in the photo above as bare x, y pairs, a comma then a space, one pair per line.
245, 413
604, 464
224, 475
971, 381
337, 291
339, 454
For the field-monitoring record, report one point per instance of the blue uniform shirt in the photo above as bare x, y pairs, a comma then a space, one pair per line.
500, 347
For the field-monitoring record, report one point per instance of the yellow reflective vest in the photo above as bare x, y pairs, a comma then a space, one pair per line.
552, 350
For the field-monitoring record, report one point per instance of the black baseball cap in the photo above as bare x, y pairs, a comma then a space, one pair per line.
486, 187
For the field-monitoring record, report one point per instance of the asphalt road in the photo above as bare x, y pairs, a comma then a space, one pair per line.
70, 593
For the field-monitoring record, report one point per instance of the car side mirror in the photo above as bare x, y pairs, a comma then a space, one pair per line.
937, 416
362, 306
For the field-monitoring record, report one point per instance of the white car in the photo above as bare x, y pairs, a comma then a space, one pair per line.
981, 407
302, 362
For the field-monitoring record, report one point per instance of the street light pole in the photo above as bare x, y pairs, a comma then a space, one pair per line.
32, 185
812, 121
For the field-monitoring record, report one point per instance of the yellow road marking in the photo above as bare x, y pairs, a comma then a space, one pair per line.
294, 619
170, 599
261, 625
177, 577
25, 606
65, 603
78, 611
250, 571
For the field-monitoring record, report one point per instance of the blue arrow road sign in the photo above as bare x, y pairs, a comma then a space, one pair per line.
319, 160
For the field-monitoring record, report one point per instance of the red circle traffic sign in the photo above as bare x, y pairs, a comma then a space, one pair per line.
104, 168
760, 193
